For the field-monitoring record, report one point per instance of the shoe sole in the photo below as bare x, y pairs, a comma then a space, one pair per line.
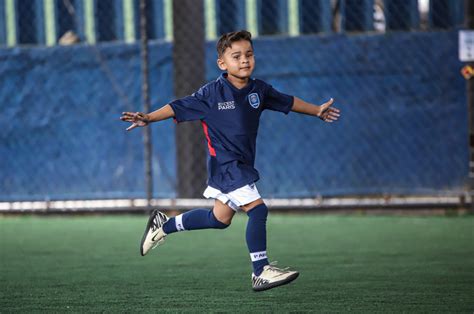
277, 283
148, 226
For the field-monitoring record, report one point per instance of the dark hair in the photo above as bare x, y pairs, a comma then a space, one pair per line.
226, 40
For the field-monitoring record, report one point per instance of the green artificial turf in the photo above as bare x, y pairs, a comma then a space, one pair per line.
347, 264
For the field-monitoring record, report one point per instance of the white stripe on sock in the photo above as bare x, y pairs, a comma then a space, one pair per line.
256, 256
179, 222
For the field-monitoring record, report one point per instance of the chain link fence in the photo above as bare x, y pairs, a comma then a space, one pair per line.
69, 68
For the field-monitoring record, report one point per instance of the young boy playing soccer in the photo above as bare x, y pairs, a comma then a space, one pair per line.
229, 109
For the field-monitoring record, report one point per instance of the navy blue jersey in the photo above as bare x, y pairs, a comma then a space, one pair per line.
230, 118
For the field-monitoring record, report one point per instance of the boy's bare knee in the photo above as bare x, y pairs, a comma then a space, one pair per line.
225, 220
225, 224
223, 213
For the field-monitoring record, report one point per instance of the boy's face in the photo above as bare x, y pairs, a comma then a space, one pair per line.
238, 60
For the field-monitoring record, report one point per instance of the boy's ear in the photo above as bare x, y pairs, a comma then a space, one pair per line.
221, 64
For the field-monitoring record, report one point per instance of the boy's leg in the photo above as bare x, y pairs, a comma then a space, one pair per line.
159, 225
219, 217
256, 234
264, 276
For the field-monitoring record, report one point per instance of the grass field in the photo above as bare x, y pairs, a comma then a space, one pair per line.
347, 264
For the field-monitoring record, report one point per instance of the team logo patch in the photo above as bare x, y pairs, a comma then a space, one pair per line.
254, 100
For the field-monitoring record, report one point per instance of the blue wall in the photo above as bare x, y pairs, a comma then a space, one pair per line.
62, 137
404, 128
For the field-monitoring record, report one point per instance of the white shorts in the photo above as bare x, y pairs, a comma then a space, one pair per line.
236, 198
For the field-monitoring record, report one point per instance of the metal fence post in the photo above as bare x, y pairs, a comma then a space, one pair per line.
189, 75
146, 100
469, 24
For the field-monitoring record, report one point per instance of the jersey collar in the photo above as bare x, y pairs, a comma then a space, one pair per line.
249, 85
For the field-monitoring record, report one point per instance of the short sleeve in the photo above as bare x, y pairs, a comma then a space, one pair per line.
277, 101
193, 107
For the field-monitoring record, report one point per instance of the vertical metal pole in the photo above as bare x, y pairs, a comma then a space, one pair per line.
146, 101
189, 68
89, 21
211, 19
293, 17
251, 13
11, 23
49, 33
469, 24
3, 37
128, 21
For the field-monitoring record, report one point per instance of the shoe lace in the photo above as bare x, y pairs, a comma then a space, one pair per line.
272, 267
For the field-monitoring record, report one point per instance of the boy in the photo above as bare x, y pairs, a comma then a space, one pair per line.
229, 109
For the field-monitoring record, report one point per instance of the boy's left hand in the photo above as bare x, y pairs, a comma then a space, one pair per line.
328, 113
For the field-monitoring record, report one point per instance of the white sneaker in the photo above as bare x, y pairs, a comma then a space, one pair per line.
272, 277
154, 234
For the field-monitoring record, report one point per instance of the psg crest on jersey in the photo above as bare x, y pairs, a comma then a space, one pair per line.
254, 100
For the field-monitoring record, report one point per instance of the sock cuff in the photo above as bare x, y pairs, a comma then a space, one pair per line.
178, 220
257, 256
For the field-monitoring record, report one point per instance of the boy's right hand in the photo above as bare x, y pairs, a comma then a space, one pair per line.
136, 118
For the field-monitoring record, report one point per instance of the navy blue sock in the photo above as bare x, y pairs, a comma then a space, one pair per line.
256, 236
193, 220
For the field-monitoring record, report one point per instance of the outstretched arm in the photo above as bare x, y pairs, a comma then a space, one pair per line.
325, 112
142, 119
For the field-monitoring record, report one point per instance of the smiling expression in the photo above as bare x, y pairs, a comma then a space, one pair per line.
238, 60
